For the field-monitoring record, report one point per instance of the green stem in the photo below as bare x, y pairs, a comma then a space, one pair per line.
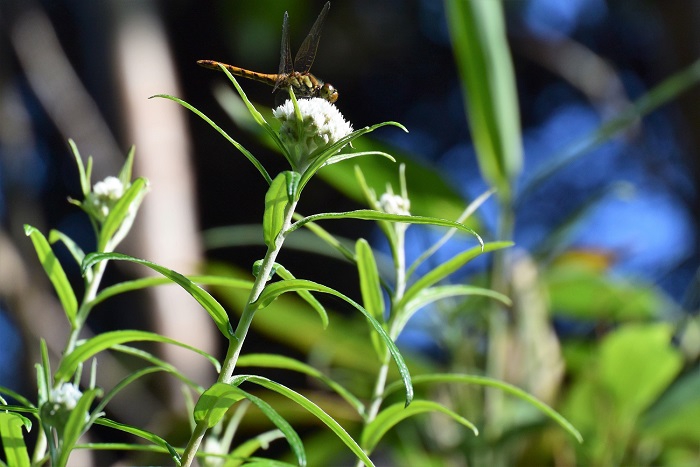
235, 344
394, 331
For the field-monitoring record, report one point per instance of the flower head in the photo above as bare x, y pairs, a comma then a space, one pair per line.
62, 401
321, 125
395, 204
104, 196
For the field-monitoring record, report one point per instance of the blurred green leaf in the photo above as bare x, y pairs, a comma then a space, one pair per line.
82, 173
392, 415
581, 290
209, 303
370, 286
55, 272
494, 383
674, 417
13, 439
477, 30
636, 364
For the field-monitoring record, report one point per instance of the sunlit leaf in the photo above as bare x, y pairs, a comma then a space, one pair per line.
209, 303
369, 214
121, 216
494, 383
76, 425
272, 291
215, 402
11, 425
105, 341
54, 271
311, 408
276, 202
392, 415
287, 363
243, 150
447, 268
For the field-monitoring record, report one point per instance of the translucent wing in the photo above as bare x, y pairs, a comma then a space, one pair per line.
285, 54
307, 52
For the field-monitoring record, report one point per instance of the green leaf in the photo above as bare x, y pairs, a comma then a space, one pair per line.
352, 155
494, 383
215, 402
209, 303
243, 150
145, 282
219, 398
121, 216
75, 250
147, 435
480, 46
105, 341
372, 215
370, 286
321, 158
305, 295
282, 362
55, 272
430, 295
83, 175
311, 408
76, 425
392, 415
447, 268
248, 447
272, 291
637, 363
292, 437
276, 202
125, 172
12, 438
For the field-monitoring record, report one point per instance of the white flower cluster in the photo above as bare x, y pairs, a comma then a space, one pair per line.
66, 395
322, 125
105, 195
395, 204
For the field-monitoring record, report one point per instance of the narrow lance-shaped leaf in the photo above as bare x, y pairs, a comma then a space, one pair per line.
237, 145
55, 272
106, 341
477, 29
272, 291
13, 440
392, 415
447, 268
312, 408
372, 296
276, 201
372, 215
76, 425
214, 308
147, 435
121, 216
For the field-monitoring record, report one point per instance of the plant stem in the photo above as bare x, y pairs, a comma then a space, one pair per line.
235, 343
400, 288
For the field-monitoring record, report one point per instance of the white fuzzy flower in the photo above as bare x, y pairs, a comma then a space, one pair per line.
66, 395
322, 124
395, 204
105, 195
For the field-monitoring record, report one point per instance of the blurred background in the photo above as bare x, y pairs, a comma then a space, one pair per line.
610, 237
